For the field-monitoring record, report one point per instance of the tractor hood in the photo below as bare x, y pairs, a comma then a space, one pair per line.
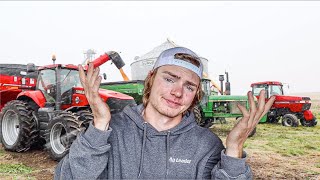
294, 103
292, 99
105, 94
228, 98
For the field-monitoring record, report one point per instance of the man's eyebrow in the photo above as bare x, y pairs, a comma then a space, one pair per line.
171, 74
178, 77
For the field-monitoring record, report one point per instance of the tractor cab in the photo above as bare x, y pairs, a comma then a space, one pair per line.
206, 90
271, 88
56, 83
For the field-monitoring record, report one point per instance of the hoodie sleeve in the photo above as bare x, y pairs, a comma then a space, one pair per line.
228, 167
88, 156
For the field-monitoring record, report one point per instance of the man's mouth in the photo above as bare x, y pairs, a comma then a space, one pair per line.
172, 104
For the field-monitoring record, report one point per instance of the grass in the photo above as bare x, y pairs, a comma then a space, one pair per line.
17, 169
2, 152
274, 138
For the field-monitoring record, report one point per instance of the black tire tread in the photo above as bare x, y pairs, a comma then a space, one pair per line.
28, 132
73, 128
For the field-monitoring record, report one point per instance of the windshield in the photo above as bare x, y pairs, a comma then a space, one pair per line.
206, 87
275, 90
69, 78
257, 88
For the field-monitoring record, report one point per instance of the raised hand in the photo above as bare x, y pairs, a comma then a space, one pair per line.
100, 109
240, 132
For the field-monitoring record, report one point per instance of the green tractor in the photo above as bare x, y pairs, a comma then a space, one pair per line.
216, 108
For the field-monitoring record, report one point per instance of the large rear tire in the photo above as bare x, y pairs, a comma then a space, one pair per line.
62, 131
290, 120
18, 128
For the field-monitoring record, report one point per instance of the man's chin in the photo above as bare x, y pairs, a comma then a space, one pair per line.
170, 113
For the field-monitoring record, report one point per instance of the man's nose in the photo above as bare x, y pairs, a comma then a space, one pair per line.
177, 90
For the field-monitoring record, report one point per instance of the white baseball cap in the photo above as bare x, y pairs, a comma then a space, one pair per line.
167, 57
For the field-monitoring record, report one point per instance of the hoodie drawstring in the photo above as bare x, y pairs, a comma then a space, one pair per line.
167, 154
142, 149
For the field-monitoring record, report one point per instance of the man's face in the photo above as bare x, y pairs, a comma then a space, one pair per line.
173, 90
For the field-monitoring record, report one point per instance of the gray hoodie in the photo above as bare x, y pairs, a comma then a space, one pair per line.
133, 149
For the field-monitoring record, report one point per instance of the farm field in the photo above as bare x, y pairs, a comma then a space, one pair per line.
274, 152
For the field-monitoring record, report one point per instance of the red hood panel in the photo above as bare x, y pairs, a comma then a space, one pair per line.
288, 98
105, 94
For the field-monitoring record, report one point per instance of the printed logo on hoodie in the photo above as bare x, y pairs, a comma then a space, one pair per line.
178, 160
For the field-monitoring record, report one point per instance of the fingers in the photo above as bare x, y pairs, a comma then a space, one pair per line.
253, 108
82, 76
96, 84
90, 72
261, 107
94, 76
268, 105
245, 113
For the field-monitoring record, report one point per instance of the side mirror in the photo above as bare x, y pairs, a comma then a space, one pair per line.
31, 67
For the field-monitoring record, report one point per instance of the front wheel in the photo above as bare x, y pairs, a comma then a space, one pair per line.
309, 123
62, 131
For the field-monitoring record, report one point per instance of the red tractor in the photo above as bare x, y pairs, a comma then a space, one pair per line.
56, 110
290, 108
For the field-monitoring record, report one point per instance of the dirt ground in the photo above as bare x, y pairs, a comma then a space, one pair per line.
264, 165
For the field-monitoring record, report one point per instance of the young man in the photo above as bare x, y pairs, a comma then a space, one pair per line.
159, 139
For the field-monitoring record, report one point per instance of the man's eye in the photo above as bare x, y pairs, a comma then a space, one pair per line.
169, 80
190, 88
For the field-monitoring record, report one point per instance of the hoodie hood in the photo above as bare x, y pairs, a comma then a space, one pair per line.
135, 114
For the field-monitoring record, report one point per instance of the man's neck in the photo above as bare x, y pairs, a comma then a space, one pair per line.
159, 121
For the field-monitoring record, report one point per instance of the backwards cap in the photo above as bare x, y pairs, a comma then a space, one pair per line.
167, 57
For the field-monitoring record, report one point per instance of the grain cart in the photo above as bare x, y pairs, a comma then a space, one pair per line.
55, 112
290, 109
13, 80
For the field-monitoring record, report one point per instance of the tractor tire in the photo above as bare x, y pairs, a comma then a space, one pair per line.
273, 119
222, 120
207, 123
290, 120
197, 116
85, 116
18, 128
62, 131
310, 123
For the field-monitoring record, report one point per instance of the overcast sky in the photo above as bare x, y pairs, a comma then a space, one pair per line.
253, 41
